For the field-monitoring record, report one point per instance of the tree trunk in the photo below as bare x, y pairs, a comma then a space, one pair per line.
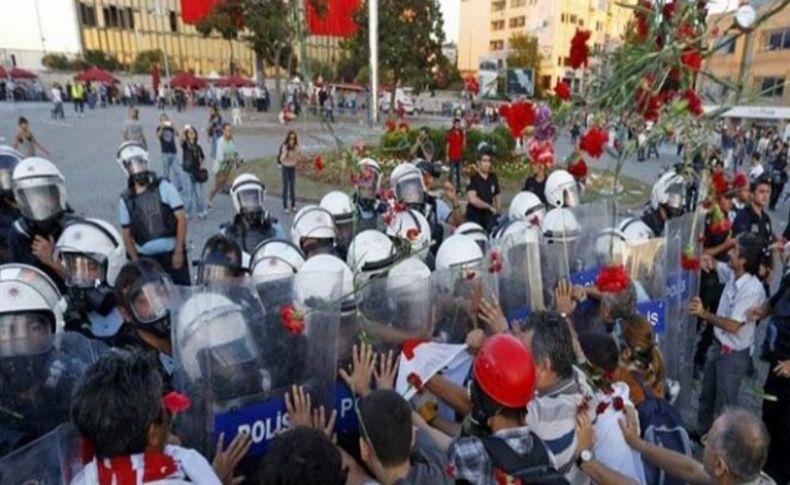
278, 90
260, 69
230, 44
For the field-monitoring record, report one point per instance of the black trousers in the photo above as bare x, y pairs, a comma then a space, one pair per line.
776, 416
180, 276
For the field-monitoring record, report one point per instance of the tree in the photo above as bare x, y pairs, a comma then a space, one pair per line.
524, 54
227, 20
411, 35
57, 62
101, 59
144, 60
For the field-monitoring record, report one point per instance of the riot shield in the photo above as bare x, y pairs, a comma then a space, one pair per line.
520, 280
236, 360
455, 298
51, 459
35, 389
678, 338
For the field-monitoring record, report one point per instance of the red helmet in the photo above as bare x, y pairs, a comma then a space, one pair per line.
504, 370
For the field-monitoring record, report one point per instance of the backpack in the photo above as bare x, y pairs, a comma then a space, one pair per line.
533, 468
662, 425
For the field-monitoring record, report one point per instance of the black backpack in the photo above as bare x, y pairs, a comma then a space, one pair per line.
530, 469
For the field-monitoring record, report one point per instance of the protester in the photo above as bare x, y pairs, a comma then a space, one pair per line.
195, 171
423, 146
288, 158
214, 130
57, 102
728, 358
25, 142
536, 183
227, 161
483, 193
641, 364
133, 129
455, 142
167, 136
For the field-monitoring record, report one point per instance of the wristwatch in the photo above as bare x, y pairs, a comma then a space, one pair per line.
584, 457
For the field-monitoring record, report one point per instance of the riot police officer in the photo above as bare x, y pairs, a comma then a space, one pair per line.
152, 215
93, 253
220, 261
38, 366
313, 231
9, 212
341, 207
667, 201
40, 193
369, 207
252, 224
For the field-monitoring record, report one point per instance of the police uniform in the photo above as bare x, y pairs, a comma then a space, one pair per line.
749, 221
20, 242
248, 238
369, 214
150, 216
8, 214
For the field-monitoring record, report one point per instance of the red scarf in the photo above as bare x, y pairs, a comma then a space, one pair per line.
120, 471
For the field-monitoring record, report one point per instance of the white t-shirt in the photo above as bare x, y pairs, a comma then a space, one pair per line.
610, 446
756, 171
55, 93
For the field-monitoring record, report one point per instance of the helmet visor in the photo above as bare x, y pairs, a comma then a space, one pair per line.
368, 183
24, 334
571, 196
676, 199
5, 179
135, 165
84, 270
40, 202
250, 200
149, 303
410, 191
214, 273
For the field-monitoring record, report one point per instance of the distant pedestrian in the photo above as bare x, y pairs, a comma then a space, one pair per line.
78, 97
133, 129
226, 161
214, 130
194, 166
287, 159
25, 142
57, 103
167, 141
455, 141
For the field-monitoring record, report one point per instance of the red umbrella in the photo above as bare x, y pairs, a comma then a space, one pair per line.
235, 82
3, 73
186, 80
95, 74
17, 73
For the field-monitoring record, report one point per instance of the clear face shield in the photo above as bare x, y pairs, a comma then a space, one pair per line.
24, 334
40, 202
345, 230
570, 194
676, 200
149, 305
7, 165
135, 165
250, 200
84, 270
410, 190
215, 273
368, 183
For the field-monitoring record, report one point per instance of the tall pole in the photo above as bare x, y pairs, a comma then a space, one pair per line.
373, 28
160, 12
40, 30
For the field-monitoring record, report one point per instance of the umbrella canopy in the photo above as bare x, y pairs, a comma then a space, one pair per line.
95, 74
185, 80
17, 73
235, 82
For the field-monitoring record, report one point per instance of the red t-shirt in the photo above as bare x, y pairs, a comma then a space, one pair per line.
455, 140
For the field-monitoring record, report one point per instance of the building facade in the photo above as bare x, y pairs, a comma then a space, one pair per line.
762, 61
486, 27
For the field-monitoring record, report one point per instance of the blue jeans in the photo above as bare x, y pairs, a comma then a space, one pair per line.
194, 196
170, 165
289, 186
455, 174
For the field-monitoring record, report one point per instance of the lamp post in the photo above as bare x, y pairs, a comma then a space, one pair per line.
160, 12
373, 28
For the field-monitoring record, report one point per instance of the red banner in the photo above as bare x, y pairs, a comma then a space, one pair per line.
337, 19
193, 11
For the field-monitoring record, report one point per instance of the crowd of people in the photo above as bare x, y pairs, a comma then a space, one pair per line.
550, 381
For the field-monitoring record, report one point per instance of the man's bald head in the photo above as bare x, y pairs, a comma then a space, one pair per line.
741, 439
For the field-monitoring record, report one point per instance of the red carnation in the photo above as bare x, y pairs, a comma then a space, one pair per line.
593, 141
689, 262
318, 163
409, 345
578, 169
400, 207
584, 405
520, 115
692, 60
504, 110
562, 90
694, 103
450, 470
647, 104
403, 126
618, 403
388, 218
414, 381
412, 234
601, 408
580, 51
176, 402
669, 11
293, 321
721, 227
390, 126
740, 180
642, 13
612, 279
687, 32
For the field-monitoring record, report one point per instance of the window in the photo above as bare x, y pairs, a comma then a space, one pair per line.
581, 22
497, 25
173, 22
517, 3
111, 17
126, 18
724, 46
498, 6
777, 39
87, 15
562, 18
517, 22
573, 18
496, 45
772, 87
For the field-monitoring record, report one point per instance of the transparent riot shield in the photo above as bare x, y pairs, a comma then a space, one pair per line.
645, 263
35, 388
455, 299
51, 459
677, 339
235, 360
520, 280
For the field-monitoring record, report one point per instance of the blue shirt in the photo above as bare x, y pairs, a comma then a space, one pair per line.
170, 197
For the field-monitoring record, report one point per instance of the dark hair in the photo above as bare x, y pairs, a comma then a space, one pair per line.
388, 426
756, 156
130, 272
600, 350
302, 456
761, 180
622, 303
637, 335
551, 339
743, 443
115, 403
22, 120
750, 248
288, 137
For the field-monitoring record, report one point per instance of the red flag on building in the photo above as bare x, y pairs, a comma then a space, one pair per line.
193, 11
337, 19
